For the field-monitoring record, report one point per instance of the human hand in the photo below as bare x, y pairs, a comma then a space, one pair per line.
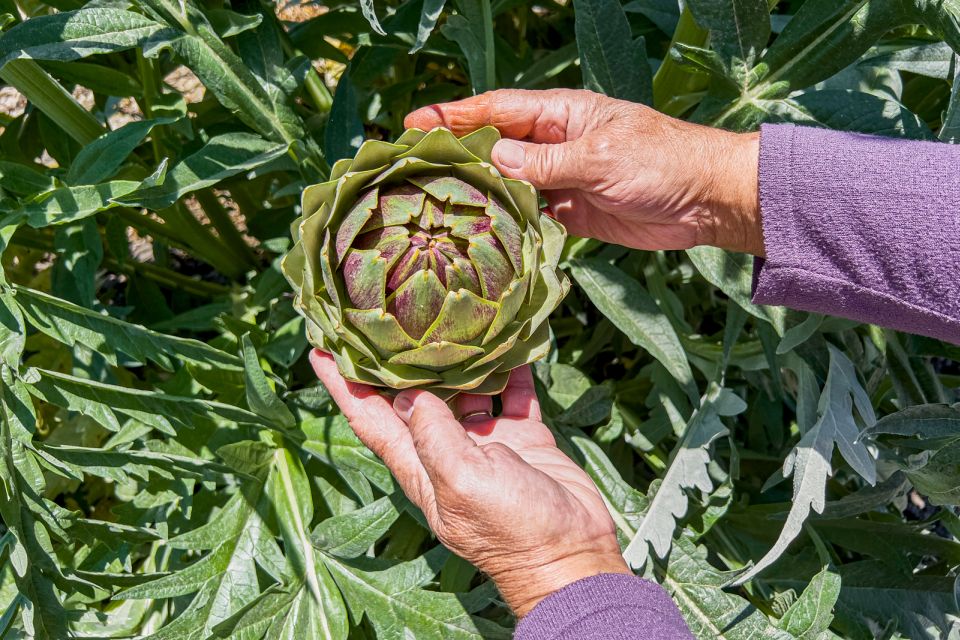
619, 171
496, 491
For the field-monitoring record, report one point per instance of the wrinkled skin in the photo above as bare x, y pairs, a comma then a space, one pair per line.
619, 171
499, 492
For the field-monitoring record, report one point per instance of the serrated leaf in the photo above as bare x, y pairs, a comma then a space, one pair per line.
687, 471
390, 597
809, 462
709, 611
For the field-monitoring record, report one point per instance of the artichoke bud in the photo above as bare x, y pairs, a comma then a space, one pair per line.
417, 265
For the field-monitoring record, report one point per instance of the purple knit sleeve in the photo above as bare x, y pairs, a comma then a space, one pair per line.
605, 607
862, 227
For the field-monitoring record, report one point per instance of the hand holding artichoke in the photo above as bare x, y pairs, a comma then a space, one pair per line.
417, 265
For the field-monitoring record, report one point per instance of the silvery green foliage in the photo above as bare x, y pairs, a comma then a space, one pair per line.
170, 469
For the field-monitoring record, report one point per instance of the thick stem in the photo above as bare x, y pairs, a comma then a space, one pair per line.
675, 88
228, 231
490, 69
47, 95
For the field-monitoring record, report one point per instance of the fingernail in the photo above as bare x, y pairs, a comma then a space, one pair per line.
509, 154
403, 405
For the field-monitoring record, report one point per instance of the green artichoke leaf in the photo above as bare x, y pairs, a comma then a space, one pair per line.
480, 142
492, 265
382, 330
508, 233
417, 302
439, 145
510, 303
365, 277
436, 355
464, 317
417, 265
353, 221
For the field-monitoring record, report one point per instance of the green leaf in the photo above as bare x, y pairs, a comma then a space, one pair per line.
732, 274
230, 23
739, 30
469, 29
225, 75
102, 402
809, 462
352, 534
115, 340
77, 34
23, 179
710, 612
849, 111
223, 156
391, 597
688, 470
612, 63
333, 442
68, 204
795, 336
624, 302
344, 132
812, 613
428, 20
950, 129
261, 398
101, 159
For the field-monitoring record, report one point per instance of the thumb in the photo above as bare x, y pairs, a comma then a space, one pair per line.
545, 166
437, 436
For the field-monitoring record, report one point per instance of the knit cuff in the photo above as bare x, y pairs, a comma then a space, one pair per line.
608, 607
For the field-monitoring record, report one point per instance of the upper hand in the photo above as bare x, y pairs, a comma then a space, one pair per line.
619, 171
496, 491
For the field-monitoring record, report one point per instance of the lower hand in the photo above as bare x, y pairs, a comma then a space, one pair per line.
619, 171
496, 491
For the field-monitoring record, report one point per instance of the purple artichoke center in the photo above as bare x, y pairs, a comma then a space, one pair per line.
422, 240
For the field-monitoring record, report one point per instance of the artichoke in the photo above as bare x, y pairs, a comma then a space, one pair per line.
417, 265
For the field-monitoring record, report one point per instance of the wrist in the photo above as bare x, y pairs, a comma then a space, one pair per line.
523, 588
735, 222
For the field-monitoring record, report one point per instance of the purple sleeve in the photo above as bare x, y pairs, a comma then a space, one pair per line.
605, 607
862, 227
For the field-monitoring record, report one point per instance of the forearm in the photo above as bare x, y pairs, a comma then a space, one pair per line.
606, 607
861, 227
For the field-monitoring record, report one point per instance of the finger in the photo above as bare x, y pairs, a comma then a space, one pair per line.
441, 443
545, 166
520, 396
469, 403
373, 419
540, 116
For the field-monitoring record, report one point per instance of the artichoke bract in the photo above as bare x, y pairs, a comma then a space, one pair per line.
417, 265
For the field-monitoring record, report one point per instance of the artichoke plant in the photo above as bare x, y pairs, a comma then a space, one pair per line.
417, 265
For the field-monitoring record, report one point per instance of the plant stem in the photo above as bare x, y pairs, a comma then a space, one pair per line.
49, 96
675, 88
224, 225
209, 248
490, 69
166, 277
